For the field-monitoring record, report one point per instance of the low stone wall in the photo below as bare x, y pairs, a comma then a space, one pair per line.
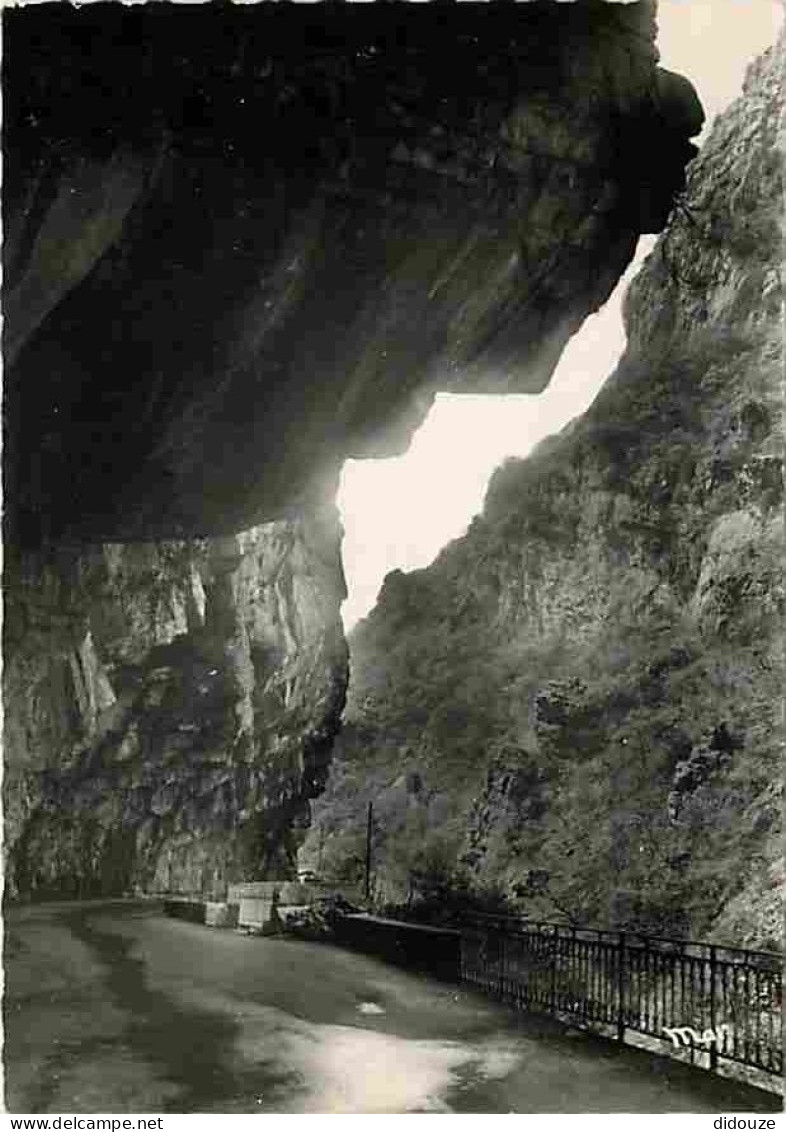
183, 908
436, 951
213, 913
247, 905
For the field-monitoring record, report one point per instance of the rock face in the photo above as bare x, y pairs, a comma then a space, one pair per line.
587, 686
244, 243
169, 708
241, 244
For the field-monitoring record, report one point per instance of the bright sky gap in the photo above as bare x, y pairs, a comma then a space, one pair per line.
399, 513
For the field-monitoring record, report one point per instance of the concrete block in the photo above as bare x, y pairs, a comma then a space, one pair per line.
253, 912
221, 914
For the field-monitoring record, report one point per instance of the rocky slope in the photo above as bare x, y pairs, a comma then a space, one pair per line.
284, 228
169, 708
578, 705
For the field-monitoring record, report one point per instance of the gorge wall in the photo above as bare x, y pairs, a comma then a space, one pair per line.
241, 244
578, 705
170, 708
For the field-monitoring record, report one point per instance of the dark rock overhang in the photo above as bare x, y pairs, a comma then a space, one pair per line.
244, 243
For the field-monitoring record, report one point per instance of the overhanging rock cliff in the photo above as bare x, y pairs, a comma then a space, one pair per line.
242, 244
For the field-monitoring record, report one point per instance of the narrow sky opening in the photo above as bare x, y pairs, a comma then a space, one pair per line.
399, 513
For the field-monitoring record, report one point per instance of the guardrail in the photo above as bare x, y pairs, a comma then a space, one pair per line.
717, 1003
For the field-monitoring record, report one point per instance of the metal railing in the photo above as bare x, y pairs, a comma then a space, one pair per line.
716, 1003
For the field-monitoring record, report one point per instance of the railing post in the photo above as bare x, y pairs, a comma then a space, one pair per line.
621, 989
553, 988
713, 1008
646, 1004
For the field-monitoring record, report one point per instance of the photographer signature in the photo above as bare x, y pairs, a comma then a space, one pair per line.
690, 1036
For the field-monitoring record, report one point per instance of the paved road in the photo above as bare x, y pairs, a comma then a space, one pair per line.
114, 1008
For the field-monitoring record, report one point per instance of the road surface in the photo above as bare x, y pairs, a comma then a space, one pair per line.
113, 1008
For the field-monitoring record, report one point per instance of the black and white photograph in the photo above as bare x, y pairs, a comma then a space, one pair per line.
392, 563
